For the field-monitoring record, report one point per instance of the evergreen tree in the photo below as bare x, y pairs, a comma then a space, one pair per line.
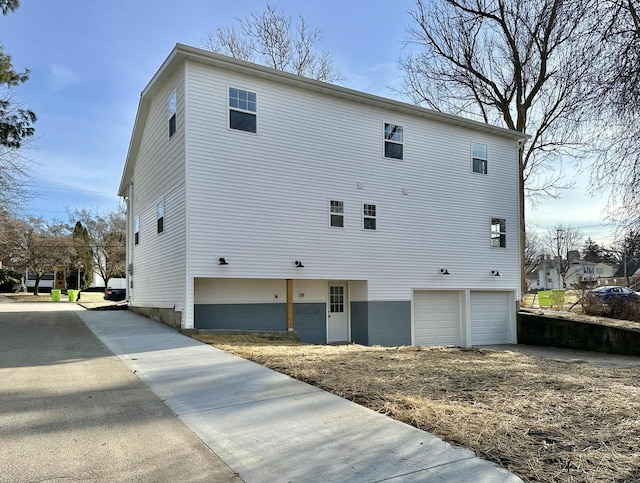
591, 251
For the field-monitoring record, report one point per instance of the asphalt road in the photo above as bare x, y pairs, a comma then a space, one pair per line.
72, 411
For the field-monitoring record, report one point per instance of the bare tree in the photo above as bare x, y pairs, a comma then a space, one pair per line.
520, 64
558, 242
272, 38
532, 251
106, 235
42, 246
617, 168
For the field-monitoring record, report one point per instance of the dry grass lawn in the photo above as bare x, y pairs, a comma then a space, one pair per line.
544, 420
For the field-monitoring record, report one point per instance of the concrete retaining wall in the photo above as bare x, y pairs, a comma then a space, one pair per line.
169, 317
548, 331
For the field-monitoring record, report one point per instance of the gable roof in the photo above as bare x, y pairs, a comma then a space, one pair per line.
181, 53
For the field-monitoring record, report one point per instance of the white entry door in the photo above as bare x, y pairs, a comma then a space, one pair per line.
338, 317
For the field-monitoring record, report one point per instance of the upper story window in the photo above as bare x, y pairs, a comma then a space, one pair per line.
172, 114
336, 213
160, 215
136, 230
242, 110
479, 158
393, 141
369, 216
498, 233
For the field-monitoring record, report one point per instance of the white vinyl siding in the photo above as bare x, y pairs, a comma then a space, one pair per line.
158, 262
231, 208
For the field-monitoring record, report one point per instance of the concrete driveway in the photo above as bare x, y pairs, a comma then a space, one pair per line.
70, 410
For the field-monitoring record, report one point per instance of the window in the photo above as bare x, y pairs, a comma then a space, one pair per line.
498, 233
172, 114
136, 230
479, 158
336, 213
393, 142
160, 215
369, 217
242, 110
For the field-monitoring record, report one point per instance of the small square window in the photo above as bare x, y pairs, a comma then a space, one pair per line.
479, 158
393, 141
242, 110
369, 217
336, 213
172, 114
498, 233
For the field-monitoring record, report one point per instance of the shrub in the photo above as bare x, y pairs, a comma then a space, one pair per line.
615, 308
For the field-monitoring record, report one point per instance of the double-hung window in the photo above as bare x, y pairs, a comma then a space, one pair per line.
498, 233
336, 213
369, 216
160, 215
393, 141
136, 230
172, 114
479, 158
242, 110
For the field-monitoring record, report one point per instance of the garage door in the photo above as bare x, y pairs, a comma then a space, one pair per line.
436, 318
490, 318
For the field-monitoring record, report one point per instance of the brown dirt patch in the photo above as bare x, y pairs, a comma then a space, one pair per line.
542, 419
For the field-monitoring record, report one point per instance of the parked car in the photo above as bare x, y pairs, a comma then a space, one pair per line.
605, 294
115, 294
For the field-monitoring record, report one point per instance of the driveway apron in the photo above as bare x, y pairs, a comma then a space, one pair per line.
70, 410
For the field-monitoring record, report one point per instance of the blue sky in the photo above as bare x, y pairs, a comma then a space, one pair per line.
90, 60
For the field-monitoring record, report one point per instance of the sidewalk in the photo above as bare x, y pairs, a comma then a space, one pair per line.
269, 427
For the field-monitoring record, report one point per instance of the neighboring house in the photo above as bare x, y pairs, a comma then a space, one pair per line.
580, 272
545, 277
261, 200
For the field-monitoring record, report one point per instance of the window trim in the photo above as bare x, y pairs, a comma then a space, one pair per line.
136, 230
388, 140
171, 105
500, 234
231, 108
366, 216
160, 217
333, 213
484, 160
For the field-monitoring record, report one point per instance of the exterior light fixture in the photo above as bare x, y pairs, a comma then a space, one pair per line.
444, 271
299, 264
222, 261
496, 273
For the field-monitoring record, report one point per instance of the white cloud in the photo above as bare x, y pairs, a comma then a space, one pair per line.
61, 77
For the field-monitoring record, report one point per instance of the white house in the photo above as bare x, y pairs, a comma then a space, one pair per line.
260, 200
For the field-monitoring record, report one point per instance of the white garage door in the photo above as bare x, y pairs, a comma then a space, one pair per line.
490, 318
436, 317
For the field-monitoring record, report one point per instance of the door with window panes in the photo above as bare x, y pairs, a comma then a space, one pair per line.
338, 317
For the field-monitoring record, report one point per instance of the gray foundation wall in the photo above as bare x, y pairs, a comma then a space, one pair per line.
170, 317
309, 319
386, 323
